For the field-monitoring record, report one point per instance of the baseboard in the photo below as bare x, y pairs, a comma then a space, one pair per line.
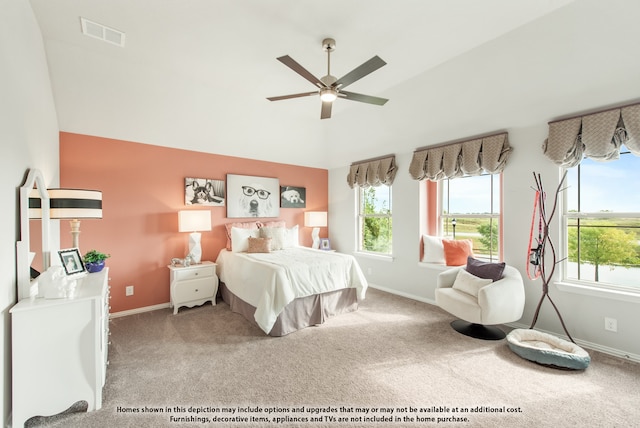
586, 344
403, 294
139, 310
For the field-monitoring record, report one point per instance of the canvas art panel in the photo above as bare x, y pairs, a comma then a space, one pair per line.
250, 196
293, 197
204, 191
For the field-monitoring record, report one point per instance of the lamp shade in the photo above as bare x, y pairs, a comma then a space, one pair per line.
68, 204
315, 219
194, 221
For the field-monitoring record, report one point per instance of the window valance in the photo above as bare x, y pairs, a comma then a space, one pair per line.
597, 136
372, 172
471, 157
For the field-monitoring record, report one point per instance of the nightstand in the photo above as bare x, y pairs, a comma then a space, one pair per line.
193, 285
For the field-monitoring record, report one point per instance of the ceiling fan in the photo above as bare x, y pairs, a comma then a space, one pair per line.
330, 88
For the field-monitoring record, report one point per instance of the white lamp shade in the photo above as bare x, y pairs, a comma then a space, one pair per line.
194, 221
68, 204
315, 219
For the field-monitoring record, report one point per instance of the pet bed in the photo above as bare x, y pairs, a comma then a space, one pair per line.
548, 350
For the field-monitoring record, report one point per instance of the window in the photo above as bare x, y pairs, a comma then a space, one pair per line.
375, 220
602, 223
471, 210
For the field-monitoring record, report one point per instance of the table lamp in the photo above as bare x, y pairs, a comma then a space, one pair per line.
315, 219
71, 204
194, 222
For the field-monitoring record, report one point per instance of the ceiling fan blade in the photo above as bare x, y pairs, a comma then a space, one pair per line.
359, 72
352, 96
286, 97
292, 64
325, 113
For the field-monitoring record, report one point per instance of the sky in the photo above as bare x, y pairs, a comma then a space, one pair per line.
612, 186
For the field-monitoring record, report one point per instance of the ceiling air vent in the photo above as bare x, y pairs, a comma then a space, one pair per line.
99, 31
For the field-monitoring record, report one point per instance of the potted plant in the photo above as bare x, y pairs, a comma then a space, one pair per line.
94, 260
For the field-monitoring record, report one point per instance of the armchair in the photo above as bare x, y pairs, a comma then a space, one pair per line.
498, 302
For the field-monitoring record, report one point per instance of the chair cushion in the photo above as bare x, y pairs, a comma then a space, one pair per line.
468, 283
459, 304
488, 270
456, 251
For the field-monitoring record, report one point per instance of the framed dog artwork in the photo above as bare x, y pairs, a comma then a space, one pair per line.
250, 196
293, 197
203, 191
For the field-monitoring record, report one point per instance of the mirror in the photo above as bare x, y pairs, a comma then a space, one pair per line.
34, 180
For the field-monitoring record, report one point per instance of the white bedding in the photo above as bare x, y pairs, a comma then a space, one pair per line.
270, 281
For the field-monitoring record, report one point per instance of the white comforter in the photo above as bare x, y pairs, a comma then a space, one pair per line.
270, 281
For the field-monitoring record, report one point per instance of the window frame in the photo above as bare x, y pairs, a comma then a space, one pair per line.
444, 220
582, 285
360, 218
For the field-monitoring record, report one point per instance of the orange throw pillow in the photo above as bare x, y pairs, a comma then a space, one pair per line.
456, 251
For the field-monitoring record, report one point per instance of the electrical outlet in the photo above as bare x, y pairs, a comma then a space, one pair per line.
611, 324
129, 290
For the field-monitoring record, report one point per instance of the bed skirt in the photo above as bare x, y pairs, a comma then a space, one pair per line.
302, 312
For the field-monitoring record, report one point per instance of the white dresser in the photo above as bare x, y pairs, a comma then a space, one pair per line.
193, 285
60, 350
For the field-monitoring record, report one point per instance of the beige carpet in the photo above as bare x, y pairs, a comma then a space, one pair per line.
395, 362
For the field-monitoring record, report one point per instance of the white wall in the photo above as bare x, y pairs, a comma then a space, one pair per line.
28, 139
583, 315
575, 60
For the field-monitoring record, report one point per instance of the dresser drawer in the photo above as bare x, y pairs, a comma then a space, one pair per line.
194, 273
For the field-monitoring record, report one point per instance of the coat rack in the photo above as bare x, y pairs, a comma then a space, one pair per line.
537, 255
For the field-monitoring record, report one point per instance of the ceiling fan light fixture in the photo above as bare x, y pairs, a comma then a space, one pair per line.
328, 95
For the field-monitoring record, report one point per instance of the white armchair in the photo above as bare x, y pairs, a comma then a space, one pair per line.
498, 302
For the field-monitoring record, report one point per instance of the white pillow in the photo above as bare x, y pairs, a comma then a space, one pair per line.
291, 237
468, 283
433, 249
277, 235
240, 238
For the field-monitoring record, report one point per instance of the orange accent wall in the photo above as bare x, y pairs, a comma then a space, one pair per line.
143, 189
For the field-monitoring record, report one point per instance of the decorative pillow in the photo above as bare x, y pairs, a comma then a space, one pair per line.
468, 283
259, 245
276, 234
240, 238
291, 237
433, 249
274, 223
245, 225
486, 270
456, 251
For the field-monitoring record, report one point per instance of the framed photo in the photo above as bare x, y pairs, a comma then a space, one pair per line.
251, 196
203, 191
293, 197
71, 261
325, 244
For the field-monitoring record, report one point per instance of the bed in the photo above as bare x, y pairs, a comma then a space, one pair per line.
290, 288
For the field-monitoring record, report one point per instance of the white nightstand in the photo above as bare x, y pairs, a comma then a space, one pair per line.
193, 285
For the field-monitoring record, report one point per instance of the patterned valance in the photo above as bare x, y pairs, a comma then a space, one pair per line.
597, 136
372, 172
471, 157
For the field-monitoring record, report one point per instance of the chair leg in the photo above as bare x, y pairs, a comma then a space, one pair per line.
478, 331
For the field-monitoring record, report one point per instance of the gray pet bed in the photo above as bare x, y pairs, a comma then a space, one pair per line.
548, 350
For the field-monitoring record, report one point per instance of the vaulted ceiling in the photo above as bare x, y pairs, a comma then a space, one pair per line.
195, 74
